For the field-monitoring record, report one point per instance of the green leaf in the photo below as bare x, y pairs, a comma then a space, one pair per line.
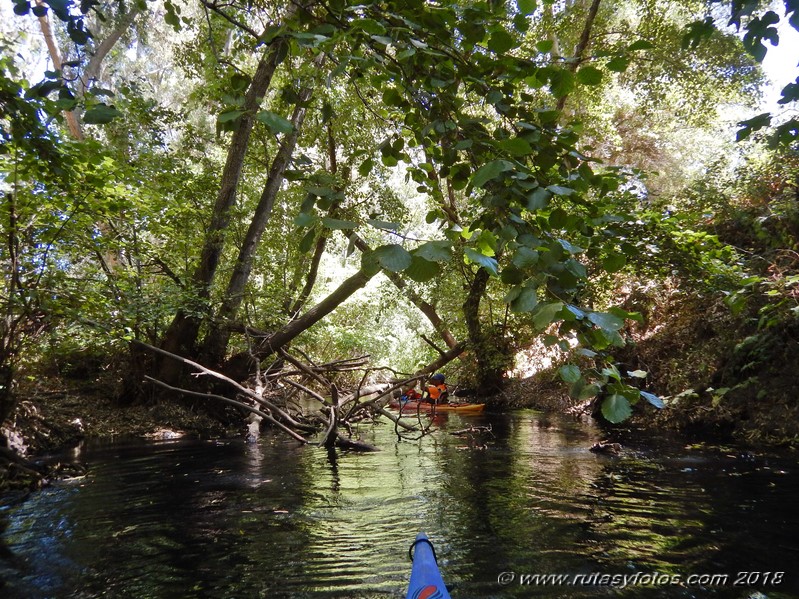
229, 116
322, 192
625, 315
422, 270
606, 321
616, 408
524, 257
501, 41
486, 243
275, 122
614, 262
526, 301
490, 264
270, 33
293, 175
100, 114
511, 275
332, 223
545, 314
653, 399
559, 190
640, 45
490, 171
512, 294
303, 219
612, 372
382, 224
516, 146
618, 64
569, 247
435, 251
588, 392
391, 97
369, 26
22, 8
589, 75
570, 373
383, 39
576, 268
538, 199
545, 46
306, 243
526, 7
575, 312
638, 374
366, 167
561, 82
754, 124
393, 257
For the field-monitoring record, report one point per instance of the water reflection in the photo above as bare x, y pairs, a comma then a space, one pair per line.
224, 519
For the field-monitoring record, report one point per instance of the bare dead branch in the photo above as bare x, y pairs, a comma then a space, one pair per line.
233, 402
240, 388
305, 389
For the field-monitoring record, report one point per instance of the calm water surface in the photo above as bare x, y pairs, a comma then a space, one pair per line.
226, 519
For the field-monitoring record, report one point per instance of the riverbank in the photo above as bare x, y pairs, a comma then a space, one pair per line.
59, 412
55, 414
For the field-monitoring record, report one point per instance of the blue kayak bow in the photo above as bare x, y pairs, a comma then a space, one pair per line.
426, 581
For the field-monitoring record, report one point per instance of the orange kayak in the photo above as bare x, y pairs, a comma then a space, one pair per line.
411, 407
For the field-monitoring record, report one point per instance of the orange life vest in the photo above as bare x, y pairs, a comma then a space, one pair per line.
436, 391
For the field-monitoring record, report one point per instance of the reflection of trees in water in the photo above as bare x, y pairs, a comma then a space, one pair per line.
280, 520
516, 505
693, 514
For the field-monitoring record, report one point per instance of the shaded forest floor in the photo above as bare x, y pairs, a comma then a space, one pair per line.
57, 413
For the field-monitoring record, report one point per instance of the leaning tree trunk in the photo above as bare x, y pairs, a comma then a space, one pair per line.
181, 336
216, 342
582, 45
234, 367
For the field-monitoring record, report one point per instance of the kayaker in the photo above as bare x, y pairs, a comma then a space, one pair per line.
437, 392
410, 394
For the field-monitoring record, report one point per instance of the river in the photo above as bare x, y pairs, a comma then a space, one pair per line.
525, 511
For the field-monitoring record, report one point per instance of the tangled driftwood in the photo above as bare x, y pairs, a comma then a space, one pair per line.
268, 398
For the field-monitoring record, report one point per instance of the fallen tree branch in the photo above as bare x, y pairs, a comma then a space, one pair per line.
397, 420
331, 434
233, 402
243, 390
305, 389
471, 430
347, 443
303, 368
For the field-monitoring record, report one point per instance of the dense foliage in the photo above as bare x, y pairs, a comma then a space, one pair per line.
193, 175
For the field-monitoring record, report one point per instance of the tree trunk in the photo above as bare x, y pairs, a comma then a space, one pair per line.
319, 311
71, 116
181, 336
92, 70
293, 310
290, 331
218, 337
491, 353
582, 45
